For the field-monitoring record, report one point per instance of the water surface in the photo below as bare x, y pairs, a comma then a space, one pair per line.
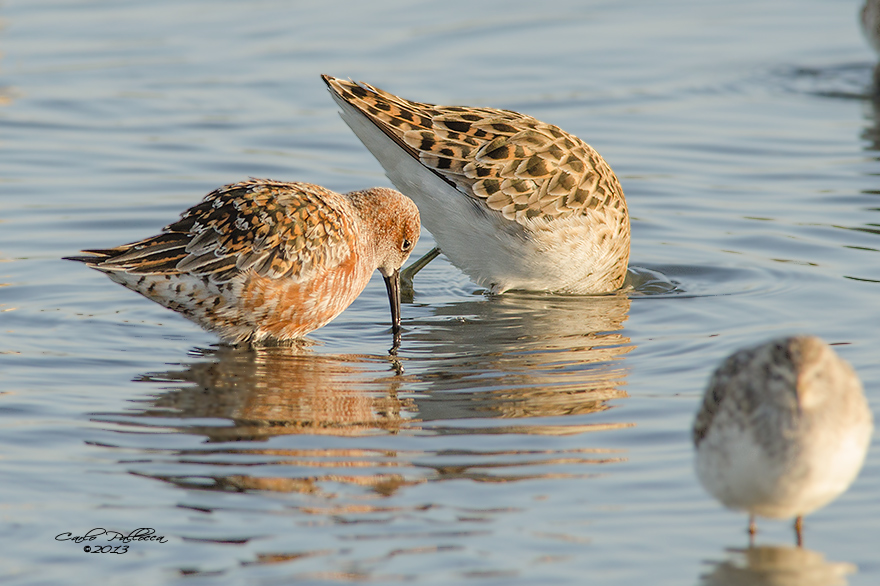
520, 439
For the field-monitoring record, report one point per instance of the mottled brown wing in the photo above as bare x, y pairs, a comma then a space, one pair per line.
513, 163
276, 229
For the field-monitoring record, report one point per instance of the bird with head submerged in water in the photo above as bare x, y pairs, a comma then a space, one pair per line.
514, 202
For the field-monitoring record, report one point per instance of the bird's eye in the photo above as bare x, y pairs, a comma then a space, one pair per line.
406, 245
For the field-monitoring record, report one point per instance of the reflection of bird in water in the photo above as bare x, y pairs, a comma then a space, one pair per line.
513, 360
269, 391
513, 202
777, 566
783, 429
871, 135
522, 355
265, 392
506, 357
261, 261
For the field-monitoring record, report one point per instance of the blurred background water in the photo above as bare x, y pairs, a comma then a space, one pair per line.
521, 439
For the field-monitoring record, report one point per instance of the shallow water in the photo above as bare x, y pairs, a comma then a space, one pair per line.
519, 439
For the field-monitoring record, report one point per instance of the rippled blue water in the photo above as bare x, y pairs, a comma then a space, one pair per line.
529, 439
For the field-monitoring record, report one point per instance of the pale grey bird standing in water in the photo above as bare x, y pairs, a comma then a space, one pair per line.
783, 429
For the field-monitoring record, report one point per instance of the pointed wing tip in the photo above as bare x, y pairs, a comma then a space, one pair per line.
94, 258
337, 84
332, 82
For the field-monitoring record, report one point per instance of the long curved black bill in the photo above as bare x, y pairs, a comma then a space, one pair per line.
392, 284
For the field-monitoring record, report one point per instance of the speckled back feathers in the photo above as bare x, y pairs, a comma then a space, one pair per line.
516, 165
277, 229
